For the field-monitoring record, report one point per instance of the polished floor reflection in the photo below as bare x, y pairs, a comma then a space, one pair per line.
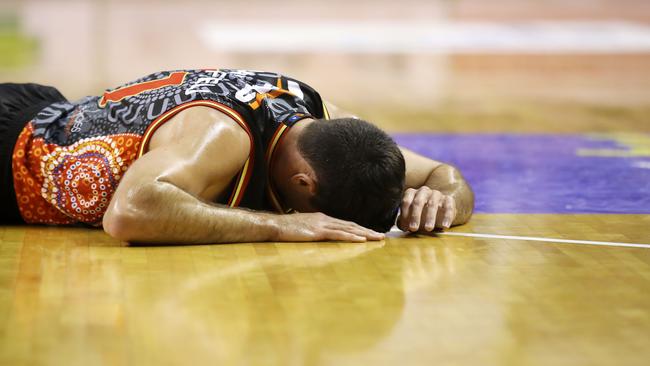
76, 297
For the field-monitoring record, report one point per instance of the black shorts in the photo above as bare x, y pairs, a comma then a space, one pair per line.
19, 103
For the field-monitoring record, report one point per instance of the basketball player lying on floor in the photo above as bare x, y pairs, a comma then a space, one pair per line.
204, 156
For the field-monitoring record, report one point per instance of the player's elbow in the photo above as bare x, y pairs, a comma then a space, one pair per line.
124, 219
466, 209
132, 215
119, 225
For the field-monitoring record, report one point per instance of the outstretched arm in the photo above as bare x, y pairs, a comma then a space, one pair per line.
166, 195
437, 196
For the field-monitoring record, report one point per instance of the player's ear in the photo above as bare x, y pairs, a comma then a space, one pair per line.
304, 183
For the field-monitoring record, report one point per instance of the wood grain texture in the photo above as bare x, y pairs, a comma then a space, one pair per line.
73, 296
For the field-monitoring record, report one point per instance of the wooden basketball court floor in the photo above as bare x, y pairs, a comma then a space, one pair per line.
74, 296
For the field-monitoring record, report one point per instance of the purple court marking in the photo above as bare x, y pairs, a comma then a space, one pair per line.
513, 173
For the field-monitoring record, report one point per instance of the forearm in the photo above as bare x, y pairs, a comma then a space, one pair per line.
160, 212
449, 181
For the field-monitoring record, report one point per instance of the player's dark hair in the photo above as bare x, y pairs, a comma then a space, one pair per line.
359, 168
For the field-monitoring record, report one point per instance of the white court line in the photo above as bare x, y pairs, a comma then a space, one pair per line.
437, 37
550, 240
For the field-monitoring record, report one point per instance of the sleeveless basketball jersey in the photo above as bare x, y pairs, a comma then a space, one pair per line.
70, 158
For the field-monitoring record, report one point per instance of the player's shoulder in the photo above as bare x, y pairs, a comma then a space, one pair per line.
201, 124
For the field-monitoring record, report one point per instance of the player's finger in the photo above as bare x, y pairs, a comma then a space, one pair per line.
433, 206
353, 228
356, 229
339, 235
402, 223
419, 201
450, 211
354, 225
405, 208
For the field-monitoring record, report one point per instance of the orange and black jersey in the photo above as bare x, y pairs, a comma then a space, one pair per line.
70, 158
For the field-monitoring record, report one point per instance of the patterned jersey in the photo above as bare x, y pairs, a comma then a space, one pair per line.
69, 159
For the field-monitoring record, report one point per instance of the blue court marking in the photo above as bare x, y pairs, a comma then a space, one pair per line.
519, 173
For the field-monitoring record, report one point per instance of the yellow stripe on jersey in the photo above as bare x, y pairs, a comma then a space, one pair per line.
326, 113
237, 195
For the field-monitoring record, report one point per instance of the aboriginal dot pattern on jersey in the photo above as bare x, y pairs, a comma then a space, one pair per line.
76, 181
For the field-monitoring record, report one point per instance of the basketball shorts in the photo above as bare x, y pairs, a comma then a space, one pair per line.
19, 103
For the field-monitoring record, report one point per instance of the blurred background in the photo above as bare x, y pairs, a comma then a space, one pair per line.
412, 65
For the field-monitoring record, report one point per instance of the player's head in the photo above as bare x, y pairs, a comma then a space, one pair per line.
359, 171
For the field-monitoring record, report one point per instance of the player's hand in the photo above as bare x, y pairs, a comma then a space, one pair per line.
425, 209
320, 227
